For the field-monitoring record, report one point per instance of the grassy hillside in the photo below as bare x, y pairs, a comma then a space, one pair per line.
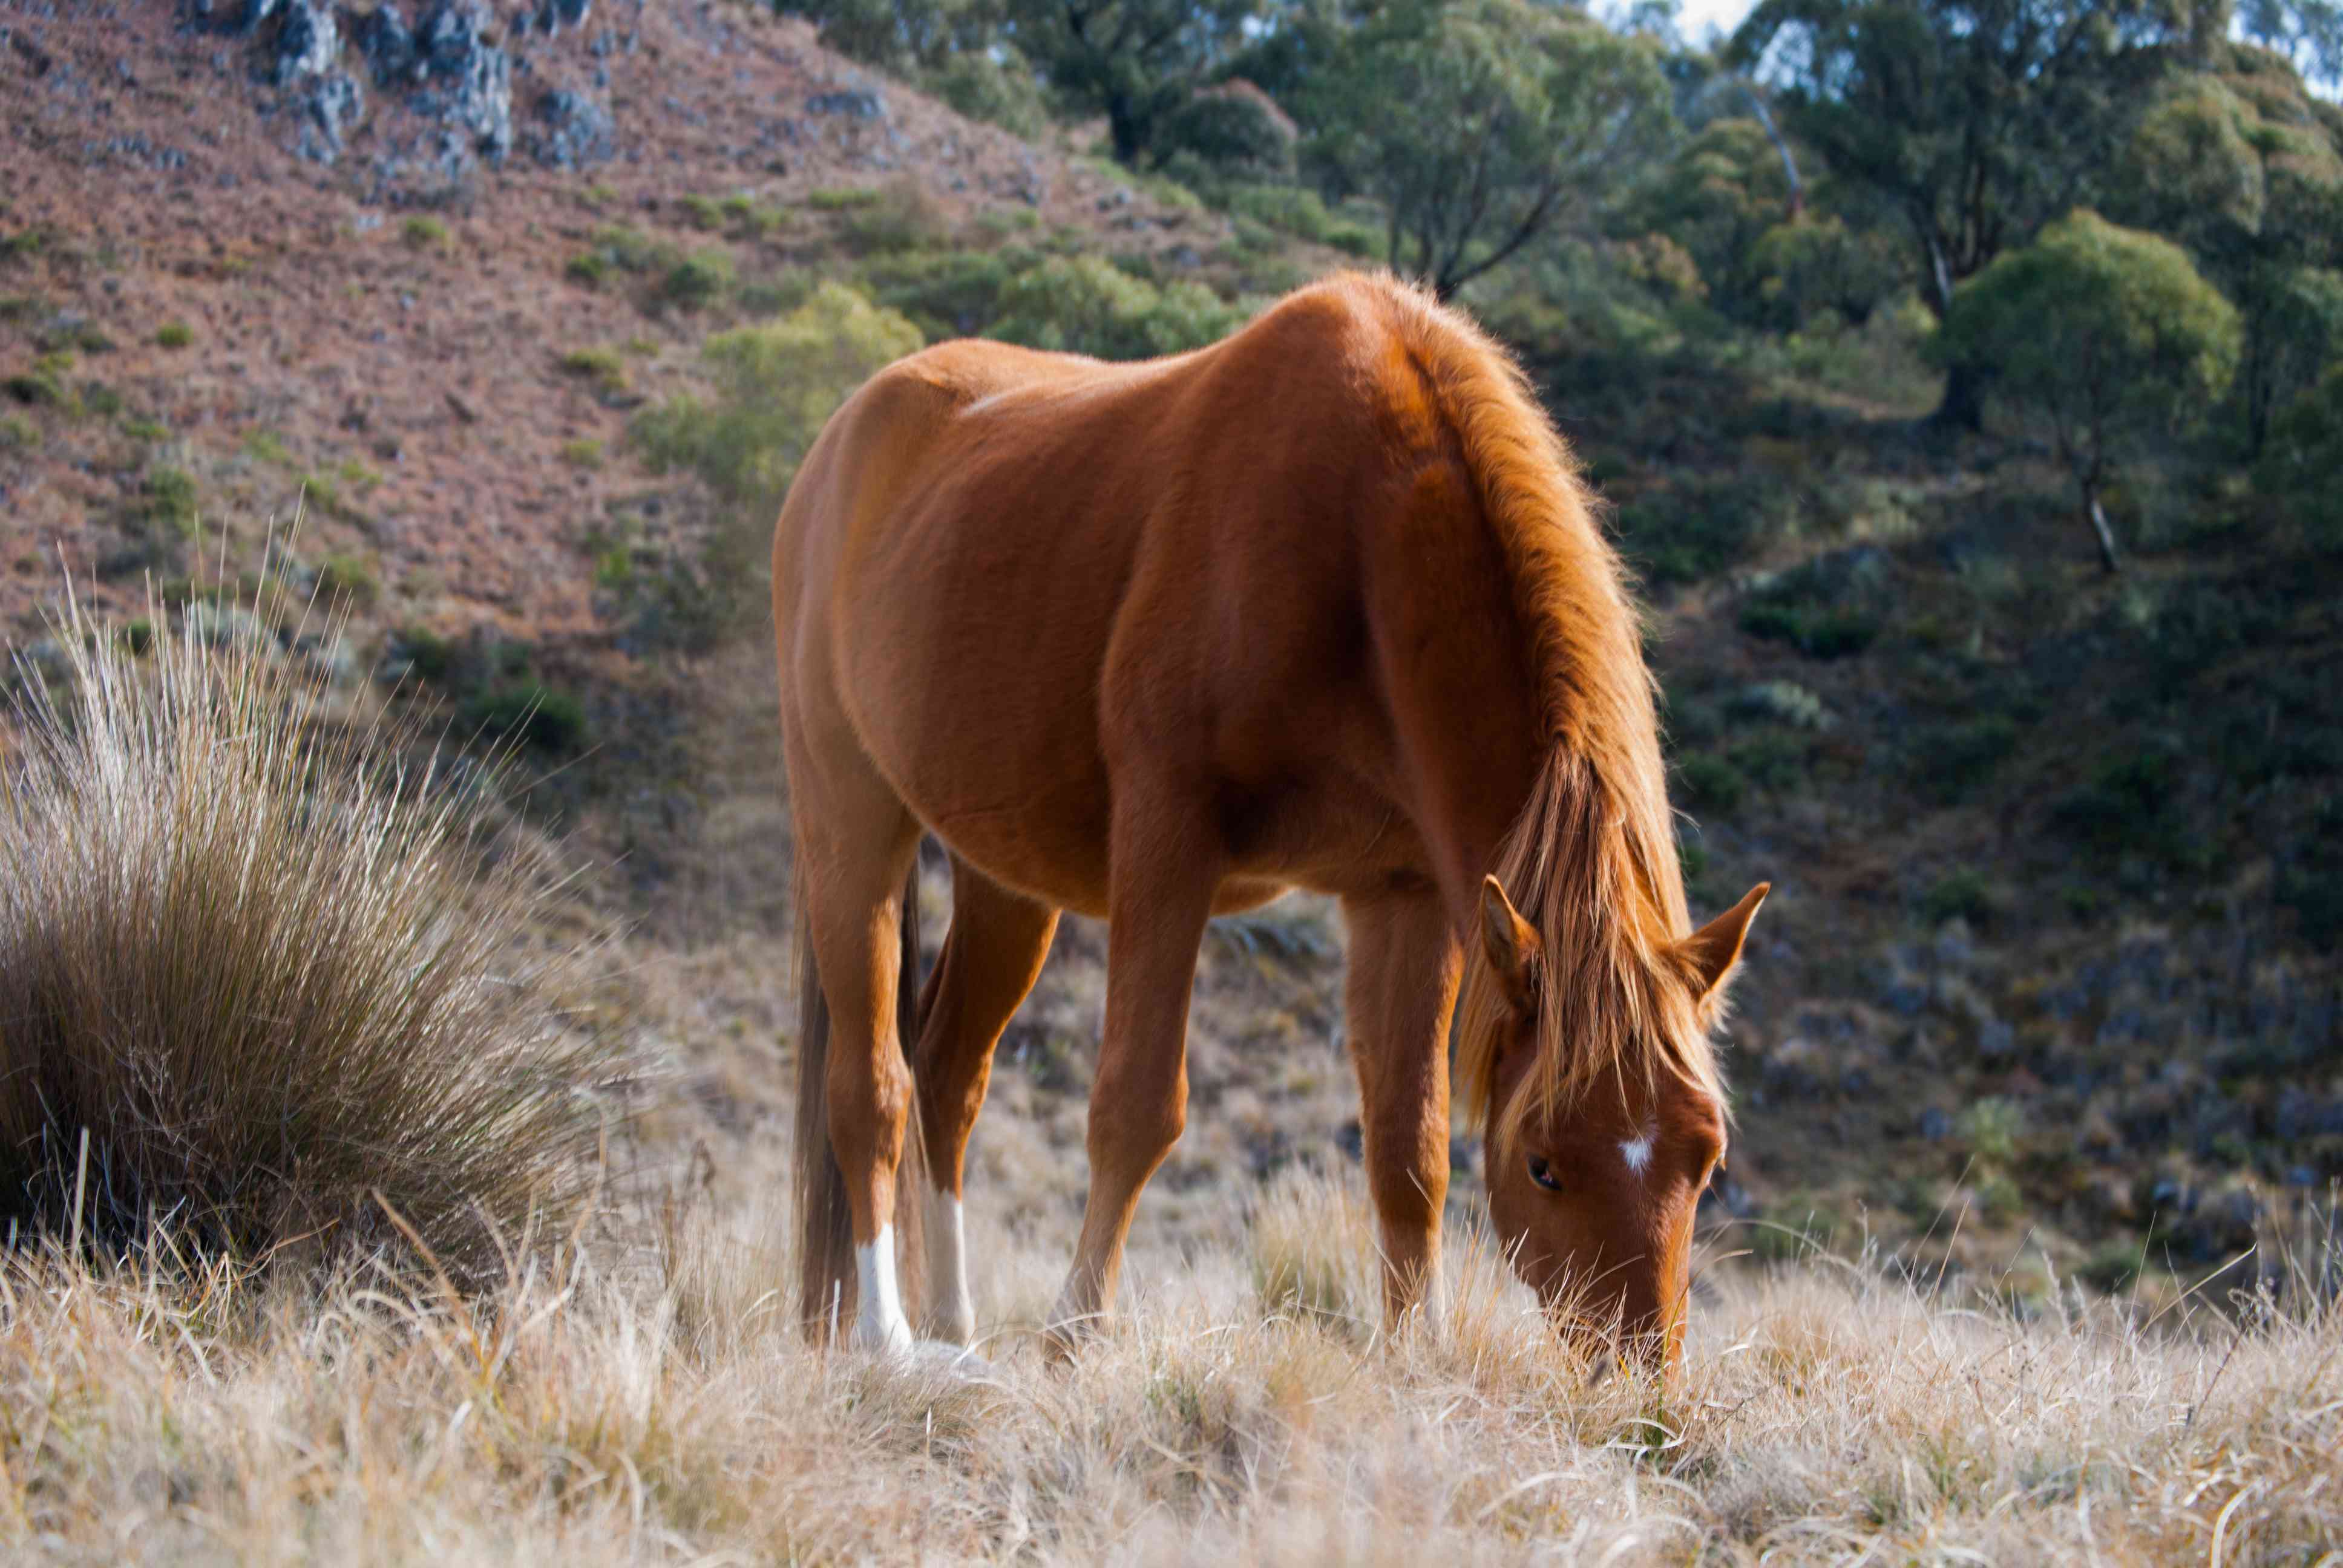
2038, 1062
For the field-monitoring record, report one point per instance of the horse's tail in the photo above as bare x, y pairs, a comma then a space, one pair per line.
826, 1227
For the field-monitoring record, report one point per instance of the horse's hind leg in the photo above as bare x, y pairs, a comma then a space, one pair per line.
1400, 984
990, 961
855, 844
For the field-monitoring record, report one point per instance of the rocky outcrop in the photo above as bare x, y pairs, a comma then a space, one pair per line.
570, 130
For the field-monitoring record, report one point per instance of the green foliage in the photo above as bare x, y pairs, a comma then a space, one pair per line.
174, 335
1949, 763
844, 198
1135, 62
529, 713
904, 217
778, 384
946, 293
1800, 270
1233, 132
699, 279
1084, 305
1690, 531
1828, 607
18, 434
1299, 211
349, 580
1481, 125
584, 453
1963, 894
2242, 165
1001, 91
1710, 784
424, 232
2106, 332
2304, 454
168, 499
603, 366
1974, 120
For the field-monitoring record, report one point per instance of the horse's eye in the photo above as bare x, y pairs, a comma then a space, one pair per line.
1543, 1174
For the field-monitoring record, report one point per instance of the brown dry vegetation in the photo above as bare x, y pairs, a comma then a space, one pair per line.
605, 1407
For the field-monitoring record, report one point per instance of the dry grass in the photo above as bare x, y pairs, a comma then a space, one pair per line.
592, 1412
261, 972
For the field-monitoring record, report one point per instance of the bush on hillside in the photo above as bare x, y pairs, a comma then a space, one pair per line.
261, 965
2304, 455
776, 385
2106, 335
1085, 305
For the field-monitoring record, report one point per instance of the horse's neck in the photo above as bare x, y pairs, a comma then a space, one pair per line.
1456, 676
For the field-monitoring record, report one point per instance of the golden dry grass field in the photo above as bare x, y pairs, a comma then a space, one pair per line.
615, 1406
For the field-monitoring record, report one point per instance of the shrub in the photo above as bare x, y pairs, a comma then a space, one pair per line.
1298, 210
583, 453
701, 278
1711, 783
1004, 92
168, 499
1948, 763
530, 713
174, 335
1963, 894
259, 966
847, 199
603, 366
18, 434
948, 292
1234, 129
424, 232
1085, 305
2304, 454
350, 579
1691, 531
778, 383
904, 217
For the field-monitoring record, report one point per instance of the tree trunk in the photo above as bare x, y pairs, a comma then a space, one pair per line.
2099, 528
1124, 126
1963, 407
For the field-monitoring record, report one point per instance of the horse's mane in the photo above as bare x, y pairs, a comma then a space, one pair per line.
1590, 861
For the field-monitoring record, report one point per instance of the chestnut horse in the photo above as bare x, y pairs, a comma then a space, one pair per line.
1324, 604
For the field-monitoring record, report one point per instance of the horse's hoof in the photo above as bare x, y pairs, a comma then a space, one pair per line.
958, 1359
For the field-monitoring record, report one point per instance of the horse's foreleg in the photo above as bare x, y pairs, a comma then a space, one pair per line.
1163, 873
990, 962
1400, 985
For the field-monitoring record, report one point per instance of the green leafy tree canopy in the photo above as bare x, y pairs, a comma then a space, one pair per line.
2107, 333
1481, 124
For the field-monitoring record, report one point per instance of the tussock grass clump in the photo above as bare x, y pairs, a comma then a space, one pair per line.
268, 967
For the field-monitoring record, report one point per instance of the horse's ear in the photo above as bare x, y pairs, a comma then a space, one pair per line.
1507, 940
1712, 951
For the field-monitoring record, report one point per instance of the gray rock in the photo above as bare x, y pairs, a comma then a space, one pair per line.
333, 104
571, 131
861, 104
1995, 1039
307, 42
388, 46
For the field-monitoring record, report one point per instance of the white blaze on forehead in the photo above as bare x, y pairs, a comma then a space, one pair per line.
1637, 1150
